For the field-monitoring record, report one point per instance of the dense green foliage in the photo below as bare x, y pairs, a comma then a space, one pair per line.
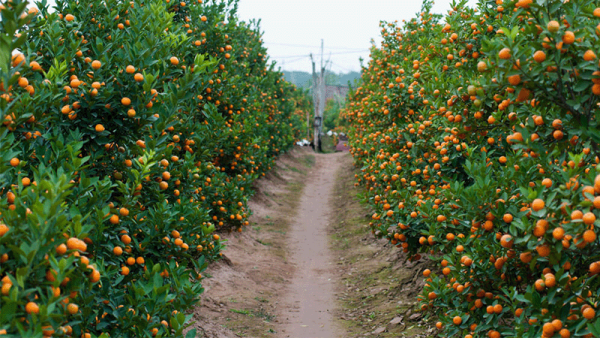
132, 131
477, 134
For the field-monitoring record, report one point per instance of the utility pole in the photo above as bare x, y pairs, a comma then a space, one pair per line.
319, 95
316, 104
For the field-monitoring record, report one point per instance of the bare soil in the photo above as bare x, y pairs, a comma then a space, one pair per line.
377, 286
310, 302
308, 265
244, 290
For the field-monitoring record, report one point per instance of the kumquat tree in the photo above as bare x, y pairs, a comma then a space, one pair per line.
477, 134
130, 135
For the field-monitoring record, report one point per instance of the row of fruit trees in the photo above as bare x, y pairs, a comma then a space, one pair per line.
130, 133
477, 134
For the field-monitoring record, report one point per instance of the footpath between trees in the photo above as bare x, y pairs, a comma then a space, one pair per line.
308, 265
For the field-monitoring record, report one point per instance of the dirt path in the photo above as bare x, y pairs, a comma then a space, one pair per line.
311, 293
308, 265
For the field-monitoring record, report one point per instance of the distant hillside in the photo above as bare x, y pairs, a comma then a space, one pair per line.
304, 79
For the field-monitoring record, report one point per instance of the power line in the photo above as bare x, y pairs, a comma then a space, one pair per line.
339, 53
296, 60
342, 67
309, 46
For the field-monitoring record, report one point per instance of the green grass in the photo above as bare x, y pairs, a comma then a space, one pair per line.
309, 160
241, 312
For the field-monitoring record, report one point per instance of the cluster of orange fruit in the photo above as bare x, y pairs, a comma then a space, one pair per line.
476, 132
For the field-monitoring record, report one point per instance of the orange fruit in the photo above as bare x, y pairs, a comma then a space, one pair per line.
6, 289
14, 161
174, 60
558, 233
95, 276
73, 243
539, 285
568, 37
504, 54
126, 239
553, 26
514, 79
596, 202
565, 333
96, 64
69, 17
543, 250
525, 257
539, 56
18, 59
589, 218
507, 241
550, 280
538, 204
588, 313
481, 66
32, 307
576, 214
457, 320
118, 251
589, 236
557, 323
99, 128
548, 329
125, 101
138, 77
589, 55
557, 134
72, 308
130, 69
61, 249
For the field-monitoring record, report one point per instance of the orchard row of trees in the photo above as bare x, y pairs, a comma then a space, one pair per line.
130, 134
477, 134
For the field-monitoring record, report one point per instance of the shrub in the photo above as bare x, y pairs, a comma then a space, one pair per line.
477, 134
131, 133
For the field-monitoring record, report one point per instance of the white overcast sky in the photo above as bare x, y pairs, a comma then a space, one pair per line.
294, 28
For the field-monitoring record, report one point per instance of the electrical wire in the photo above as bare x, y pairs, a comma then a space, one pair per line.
339, 53
309, 46
342, 67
